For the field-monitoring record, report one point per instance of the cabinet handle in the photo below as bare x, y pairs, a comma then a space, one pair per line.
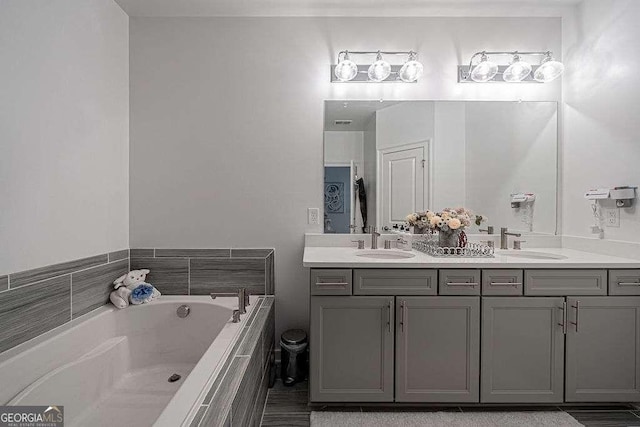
628, 283
402, 316
577, 322
514, 284
321, 284
472, 284
389, 316
564, 317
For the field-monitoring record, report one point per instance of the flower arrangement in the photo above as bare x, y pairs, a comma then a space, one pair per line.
448, 219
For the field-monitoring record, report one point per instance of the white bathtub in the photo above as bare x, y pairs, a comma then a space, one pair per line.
111, 367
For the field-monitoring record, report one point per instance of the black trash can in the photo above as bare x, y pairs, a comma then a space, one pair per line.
293, 355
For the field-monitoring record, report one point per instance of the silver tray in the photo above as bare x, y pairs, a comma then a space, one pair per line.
472, 250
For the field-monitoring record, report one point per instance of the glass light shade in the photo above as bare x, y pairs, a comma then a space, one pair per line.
517, 71
379, 70
484, 71
549, 70
346, 70
410, 71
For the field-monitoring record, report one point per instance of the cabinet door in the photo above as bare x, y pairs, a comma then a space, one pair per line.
603, 349
522, 350
351, 349
437, 349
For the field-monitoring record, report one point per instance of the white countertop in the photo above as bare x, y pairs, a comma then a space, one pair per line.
346, 257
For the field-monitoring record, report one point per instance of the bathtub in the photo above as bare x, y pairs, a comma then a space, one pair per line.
111, 367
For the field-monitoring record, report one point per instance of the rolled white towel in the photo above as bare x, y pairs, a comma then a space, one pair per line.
120, 297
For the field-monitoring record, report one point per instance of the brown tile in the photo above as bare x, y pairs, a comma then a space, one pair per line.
244, 401
35, 275
4, 283
222, 399
91, 288
194, 253
285, 420
141, 253
250, 253
227, 275
118, 255
29, 311
270, 284
169, 275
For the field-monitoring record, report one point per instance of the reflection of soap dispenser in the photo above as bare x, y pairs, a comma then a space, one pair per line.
403, 242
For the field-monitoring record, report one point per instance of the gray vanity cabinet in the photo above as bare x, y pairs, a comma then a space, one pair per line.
522, 350
437, 349
603, 349
352, 339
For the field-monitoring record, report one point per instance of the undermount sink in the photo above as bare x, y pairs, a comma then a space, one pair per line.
533, 255
385, 254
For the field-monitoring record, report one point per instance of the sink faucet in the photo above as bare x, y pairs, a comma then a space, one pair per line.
504, 239
242, 295
374, 237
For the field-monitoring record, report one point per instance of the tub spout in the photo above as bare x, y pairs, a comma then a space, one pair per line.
235, 318
243, 298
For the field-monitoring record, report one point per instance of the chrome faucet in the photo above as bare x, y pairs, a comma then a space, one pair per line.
374, 237
504, 237
488, 230
242, 295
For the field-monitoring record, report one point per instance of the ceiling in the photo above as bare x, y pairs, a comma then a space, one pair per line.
358, 111
476, 8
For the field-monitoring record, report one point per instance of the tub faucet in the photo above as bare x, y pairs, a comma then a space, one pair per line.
242, 295
504, 237
374, 237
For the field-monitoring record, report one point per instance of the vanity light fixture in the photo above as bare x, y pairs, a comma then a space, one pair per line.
379, 70
481, 69
548, 70
484, 71
517, 71
346, 71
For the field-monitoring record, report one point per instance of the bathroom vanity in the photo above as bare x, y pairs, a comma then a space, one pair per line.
545, 326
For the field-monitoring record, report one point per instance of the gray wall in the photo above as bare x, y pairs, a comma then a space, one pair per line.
64, 131
227, 119
601, 126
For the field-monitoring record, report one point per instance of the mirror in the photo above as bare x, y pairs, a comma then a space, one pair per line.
386, 159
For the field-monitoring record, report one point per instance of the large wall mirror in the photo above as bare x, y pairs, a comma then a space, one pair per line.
386, 159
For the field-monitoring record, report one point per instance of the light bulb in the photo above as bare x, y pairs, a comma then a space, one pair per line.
379, 70
411, 70
549, 70
346, 70
517, 71
484, 71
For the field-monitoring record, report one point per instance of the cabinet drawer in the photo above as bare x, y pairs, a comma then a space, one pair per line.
502, 282
394, 282
624, 282
565, 282
459, 282
331, 281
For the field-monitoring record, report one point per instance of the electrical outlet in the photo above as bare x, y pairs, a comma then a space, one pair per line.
313, 216
612, 217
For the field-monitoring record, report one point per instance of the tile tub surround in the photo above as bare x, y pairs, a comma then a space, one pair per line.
35, 301
237, 396
203, 271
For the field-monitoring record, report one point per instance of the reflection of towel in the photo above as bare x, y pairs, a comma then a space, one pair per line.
362, 196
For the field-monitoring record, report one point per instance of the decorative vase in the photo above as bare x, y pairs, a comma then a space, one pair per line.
449, 238
417, 230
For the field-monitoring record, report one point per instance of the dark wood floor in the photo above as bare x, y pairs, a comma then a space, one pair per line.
287, 407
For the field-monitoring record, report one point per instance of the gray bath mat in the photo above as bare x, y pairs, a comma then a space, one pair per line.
443, 419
